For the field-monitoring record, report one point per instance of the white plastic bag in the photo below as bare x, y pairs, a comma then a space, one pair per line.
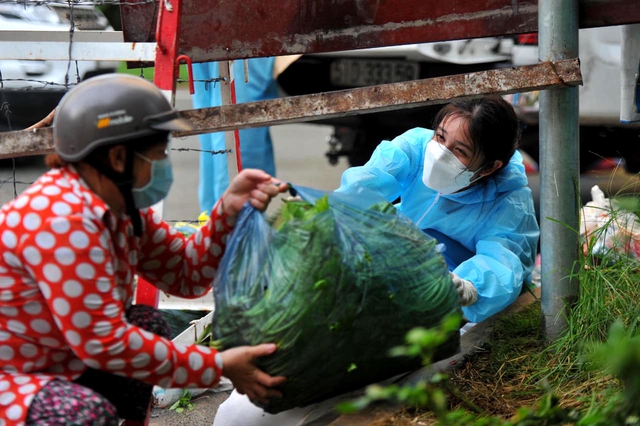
607, 230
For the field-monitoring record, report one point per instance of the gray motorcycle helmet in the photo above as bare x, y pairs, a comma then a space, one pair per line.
110, 109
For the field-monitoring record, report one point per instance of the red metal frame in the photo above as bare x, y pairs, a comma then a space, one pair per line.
167, 37
216, 30
164, 77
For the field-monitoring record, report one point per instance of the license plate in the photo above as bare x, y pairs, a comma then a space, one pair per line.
366, 72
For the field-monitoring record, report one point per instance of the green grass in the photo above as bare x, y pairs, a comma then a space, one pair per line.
523, 364
609, 291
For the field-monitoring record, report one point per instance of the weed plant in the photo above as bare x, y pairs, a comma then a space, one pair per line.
609, 292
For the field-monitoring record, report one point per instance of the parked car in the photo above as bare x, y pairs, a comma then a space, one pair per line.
30, 89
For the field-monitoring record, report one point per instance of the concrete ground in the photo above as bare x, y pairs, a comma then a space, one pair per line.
205, 407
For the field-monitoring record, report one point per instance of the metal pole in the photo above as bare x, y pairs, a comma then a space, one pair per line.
559, 168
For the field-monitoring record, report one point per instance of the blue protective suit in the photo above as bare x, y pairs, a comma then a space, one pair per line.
489, 230
256, 147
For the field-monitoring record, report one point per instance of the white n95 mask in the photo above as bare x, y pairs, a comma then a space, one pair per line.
443, 172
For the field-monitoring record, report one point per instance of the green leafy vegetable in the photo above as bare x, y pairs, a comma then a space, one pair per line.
335, 287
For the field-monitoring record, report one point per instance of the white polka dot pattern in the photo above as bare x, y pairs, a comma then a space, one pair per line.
65, 283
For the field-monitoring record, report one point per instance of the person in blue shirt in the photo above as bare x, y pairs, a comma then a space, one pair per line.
256, 147
464, 184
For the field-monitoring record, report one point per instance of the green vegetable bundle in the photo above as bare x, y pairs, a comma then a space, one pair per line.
335, 286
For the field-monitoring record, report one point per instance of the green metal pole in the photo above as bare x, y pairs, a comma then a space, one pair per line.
559, 168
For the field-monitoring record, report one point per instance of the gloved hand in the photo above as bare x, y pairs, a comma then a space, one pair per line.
466, 290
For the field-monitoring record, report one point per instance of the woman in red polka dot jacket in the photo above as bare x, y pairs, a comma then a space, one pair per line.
74, 349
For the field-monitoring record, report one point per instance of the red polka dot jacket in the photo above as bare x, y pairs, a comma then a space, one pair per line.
66, 278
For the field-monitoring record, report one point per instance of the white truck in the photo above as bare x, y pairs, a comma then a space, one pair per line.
602, 135
357, 136
30, 89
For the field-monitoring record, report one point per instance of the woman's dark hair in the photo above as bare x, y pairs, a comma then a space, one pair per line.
492, 126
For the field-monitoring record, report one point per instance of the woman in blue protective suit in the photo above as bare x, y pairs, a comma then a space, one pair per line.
464, 184
256, 147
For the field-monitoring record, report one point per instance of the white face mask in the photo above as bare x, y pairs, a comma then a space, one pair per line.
443, 172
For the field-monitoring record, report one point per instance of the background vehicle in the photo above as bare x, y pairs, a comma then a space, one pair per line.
357, 136
601, 133
30, 89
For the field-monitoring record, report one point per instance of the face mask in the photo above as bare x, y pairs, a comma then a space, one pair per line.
443, 171
159, 184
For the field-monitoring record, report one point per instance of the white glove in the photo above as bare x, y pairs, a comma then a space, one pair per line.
466, 290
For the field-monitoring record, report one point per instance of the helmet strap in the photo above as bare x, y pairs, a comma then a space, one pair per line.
124, 182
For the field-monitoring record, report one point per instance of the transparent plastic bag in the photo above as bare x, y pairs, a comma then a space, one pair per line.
335, 286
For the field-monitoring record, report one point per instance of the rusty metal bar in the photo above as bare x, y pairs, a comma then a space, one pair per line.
23, 143
385, 97
139, 20
215, 30
342, 103
254, 28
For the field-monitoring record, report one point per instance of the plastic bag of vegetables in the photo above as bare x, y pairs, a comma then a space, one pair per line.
335, 283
